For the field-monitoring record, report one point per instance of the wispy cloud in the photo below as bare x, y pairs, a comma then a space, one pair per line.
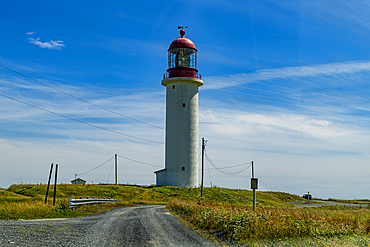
54, 45
34, 131
30, 33
217, 82
238, 124
126, 103
286, 145
345, 14
280, 142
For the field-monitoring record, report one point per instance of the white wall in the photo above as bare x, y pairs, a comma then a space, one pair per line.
182, 127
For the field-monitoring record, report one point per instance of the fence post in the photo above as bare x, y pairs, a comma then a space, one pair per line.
55, 183
47, 189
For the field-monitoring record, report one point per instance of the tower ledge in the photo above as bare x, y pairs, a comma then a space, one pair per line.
170, 80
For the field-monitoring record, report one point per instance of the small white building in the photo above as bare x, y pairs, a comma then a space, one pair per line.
78, 181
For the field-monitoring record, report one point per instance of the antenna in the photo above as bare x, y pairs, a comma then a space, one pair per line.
181, 27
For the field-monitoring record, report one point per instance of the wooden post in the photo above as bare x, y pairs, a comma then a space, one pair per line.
55, 183
47, 189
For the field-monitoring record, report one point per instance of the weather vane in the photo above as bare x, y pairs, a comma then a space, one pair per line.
181, 27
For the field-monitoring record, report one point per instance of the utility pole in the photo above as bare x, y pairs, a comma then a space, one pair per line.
203, 147
115, 158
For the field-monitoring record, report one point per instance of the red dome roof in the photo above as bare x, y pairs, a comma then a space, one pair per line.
182, 42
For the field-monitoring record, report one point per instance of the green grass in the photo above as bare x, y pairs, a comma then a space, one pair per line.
357, 201
12, 197
37, 209
25, 201
156, 195
223, 213
240, 223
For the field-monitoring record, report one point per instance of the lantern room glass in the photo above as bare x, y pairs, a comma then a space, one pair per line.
182, 57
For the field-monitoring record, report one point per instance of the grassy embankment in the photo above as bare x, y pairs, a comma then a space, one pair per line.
27, 201
224, 213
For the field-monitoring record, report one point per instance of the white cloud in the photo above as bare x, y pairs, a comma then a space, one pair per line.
43, 137
57, 45
330, 69
292, 152
30, 33
239, 124
286, 146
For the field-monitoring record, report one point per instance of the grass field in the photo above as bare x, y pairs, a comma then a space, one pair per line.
224, 214
24, 201
242, 224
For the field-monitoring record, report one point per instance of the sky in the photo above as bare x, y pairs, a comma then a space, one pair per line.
285, 86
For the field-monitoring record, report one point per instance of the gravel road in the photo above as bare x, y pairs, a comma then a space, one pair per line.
136, 226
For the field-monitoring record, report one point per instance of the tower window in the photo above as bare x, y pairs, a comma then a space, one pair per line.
183, 104
173, 86
183, 168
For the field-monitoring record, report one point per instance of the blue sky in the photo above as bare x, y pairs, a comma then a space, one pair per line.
285, 85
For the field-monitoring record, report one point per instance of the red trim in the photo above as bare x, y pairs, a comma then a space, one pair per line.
182, 72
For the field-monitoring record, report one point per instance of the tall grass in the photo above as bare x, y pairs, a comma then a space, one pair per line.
226, 213
241, 223
37, 209
25, 201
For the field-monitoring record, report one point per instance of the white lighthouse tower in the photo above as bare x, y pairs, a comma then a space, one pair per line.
182, 121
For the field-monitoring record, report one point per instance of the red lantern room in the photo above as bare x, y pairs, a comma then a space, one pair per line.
182, 58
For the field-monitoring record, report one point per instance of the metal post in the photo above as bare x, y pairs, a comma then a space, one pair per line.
203, 146
115, 157
252, 170
55, 183
308, 197
254, 190
47, 189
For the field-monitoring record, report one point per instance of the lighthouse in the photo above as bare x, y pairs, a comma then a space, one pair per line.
182, 121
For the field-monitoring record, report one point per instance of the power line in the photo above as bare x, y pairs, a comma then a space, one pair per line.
95, 167
139, 161
76, 120
113, 163
78, 98
227, 167
220, 169
209, 172
110, 171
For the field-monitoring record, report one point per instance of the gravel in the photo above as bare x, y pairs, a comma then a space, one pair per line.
136, 226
